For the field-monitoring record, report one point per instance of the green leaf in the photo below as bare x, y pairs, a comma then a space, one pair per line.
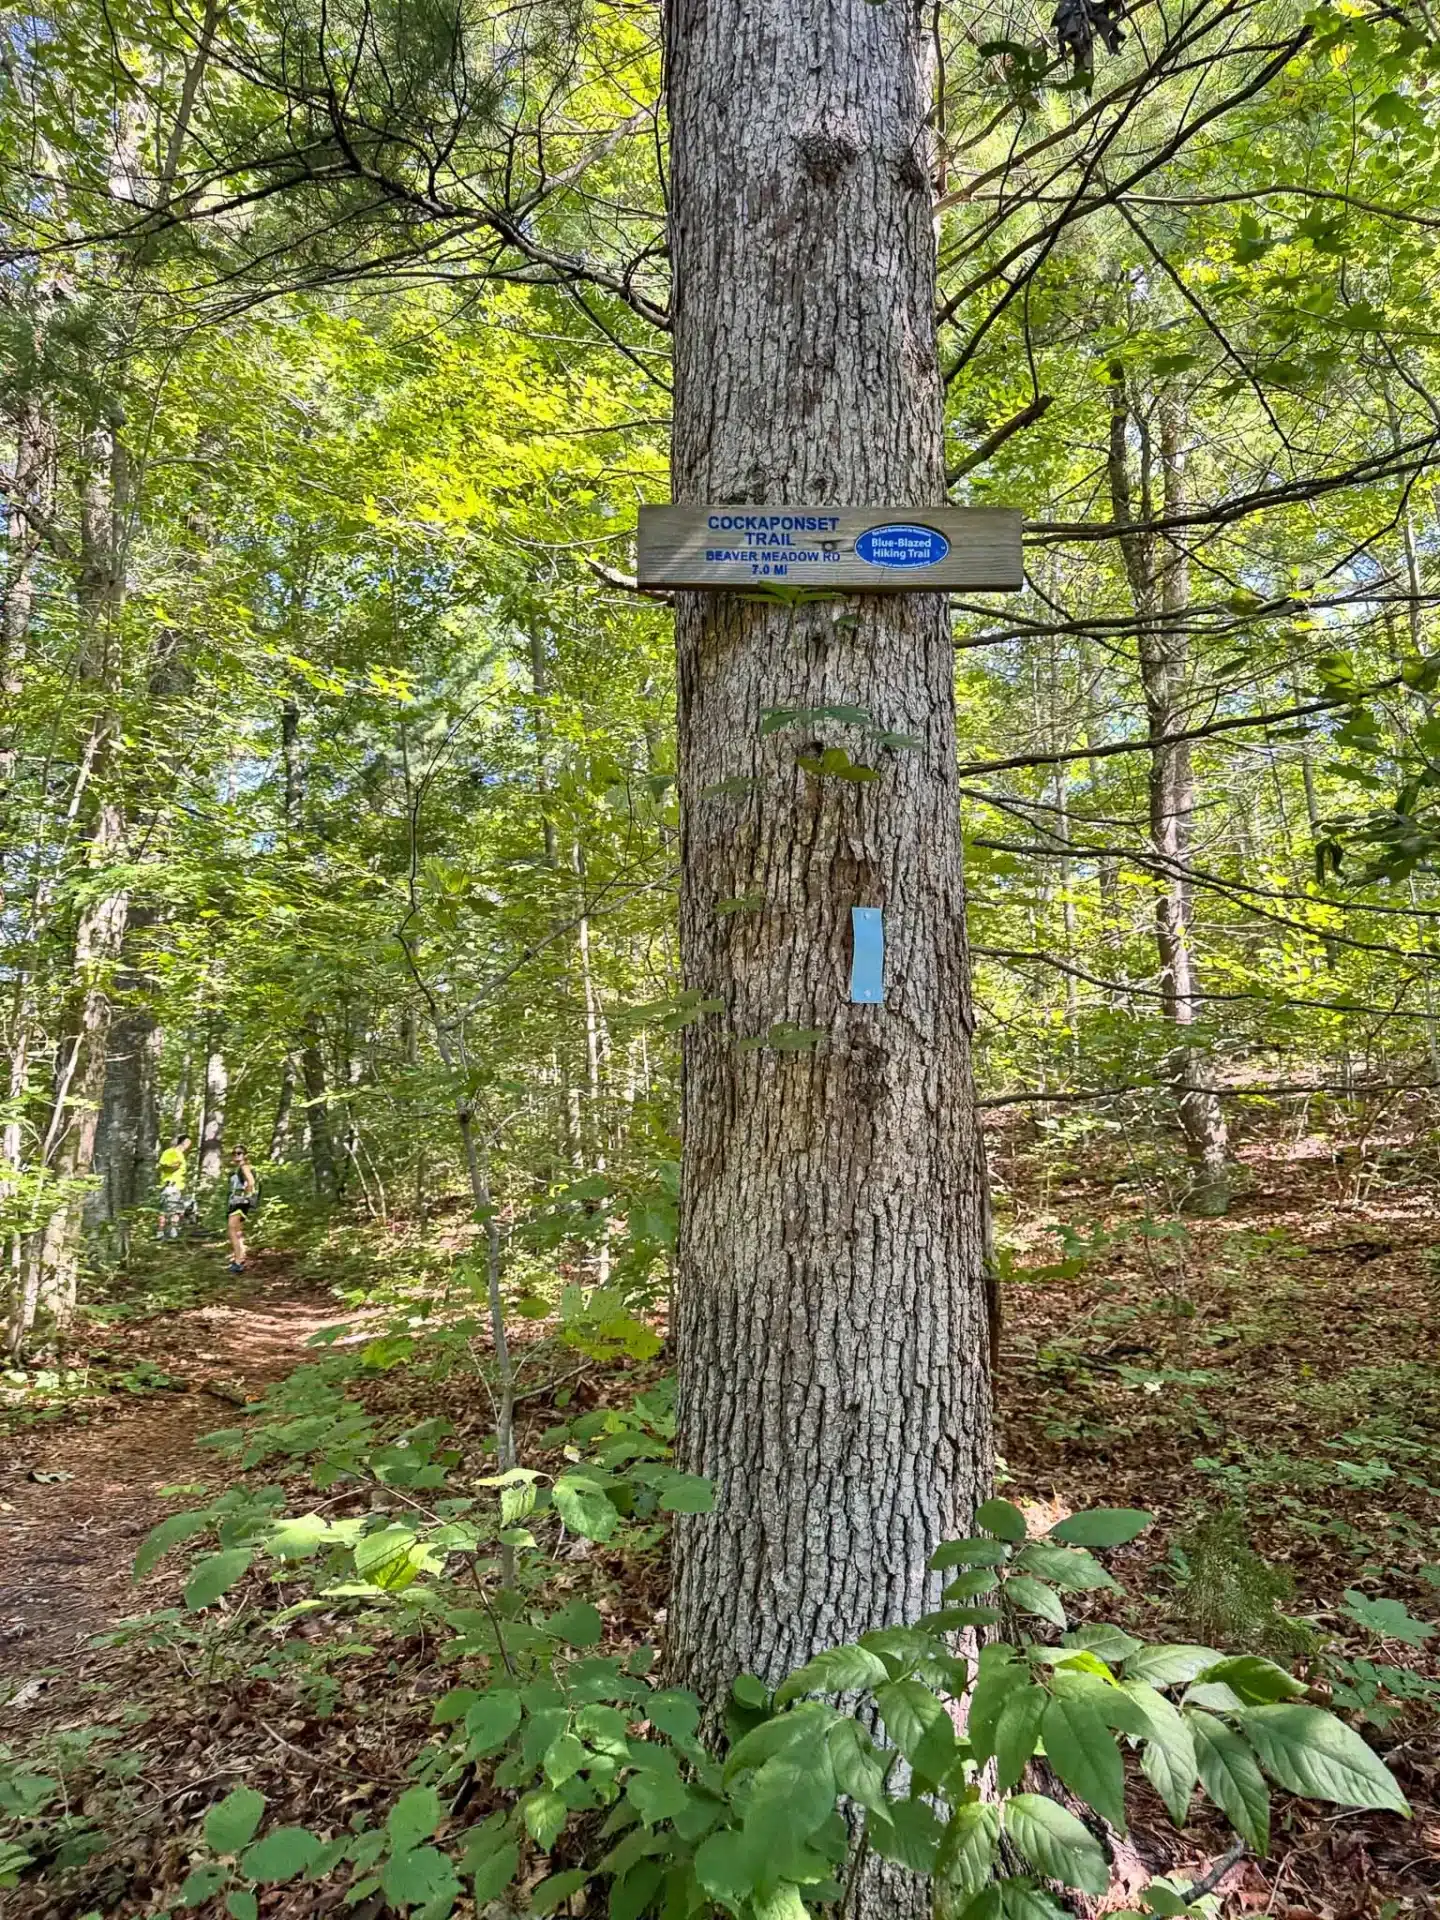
901, 1648
835, 763
389, 1558
1169, 1666
578, 1624
1390, 1619
783, 1037
967, 1853
1168, 1760
1079, 1747
413, 1818
230, 1824
1020, 1901
1002, 1519
969, 1585
490, 1722
1108, 1642
242, 1905
1102, 1527
793, 1795
415, 1876
836, 1670
280, 1855
495, 1873
544, 1814
687, 1493
657, 1796
547, 1896
999, 1675
781, 1903
761, 1743
1067, 1567
214, 1575
1055, 1843
299, 1537
987, 1905
911, 1836
1016, 1733
919, 1725
968, 1553
1033, 1596
158, 1542
858, 1771
1230, 1776
674, 1712
633, 1895
585, 1507
728, 1865
953, 1619
563, 1759
1253, 1680
202, 1885
1312, 1752
1162, 1897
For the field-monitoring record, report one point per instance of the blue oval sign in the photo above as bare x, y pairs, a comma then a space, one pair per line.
902, 545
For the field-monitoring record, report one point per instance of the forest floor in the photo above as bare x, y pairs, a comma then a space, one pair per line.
77, 1497
1268, 1385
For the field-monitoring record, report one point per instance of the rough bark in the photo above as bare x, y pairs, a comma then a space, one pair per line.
831, 1317
47, 1299
1160, 588
47, 1296
128, 1123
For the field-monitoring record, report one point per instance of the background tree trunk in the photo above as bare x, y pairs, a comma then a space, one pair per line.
317, 1108
831, 1322
212, 1121
128, 1123
1160, 588
280, 1130
53, 1257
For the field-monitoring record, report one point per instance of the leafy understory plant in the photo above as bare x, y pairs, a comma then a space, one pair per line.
895, 1746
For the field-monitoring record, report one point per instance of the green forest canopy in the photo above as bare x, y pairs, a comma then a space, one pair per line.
327, 411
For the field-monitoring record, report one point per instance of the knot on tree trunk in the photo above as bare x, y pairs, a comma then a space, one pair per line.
827, 151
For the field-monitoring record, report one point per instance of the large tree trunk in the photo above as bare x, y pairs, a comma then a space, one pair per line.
128, 1123
53, 1258
47, 1299
1160, 588
831, 1314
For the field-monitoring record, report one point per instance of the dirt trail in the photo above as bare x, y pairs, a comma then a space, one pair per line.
66, 1544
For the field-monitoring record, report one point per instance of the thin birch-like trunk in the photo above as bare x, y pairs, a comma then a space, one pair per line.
1160, 588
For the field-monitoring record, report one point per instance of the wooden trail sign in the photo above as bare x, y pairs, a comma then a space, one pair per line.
849, 549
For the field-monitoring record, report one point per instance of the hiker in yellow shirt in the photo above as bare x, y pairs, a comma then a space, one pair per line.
171, 1169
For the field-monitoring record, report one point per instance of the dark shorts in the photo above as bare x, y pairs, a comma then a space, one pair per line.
238, 1206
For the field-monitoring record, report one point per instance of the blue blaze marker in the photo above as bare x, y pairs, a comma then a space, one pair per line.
867, 968
902, 545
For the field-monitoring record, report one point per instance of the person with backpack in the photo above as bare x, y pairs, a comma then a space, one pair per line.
171, 1169
243, 1197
